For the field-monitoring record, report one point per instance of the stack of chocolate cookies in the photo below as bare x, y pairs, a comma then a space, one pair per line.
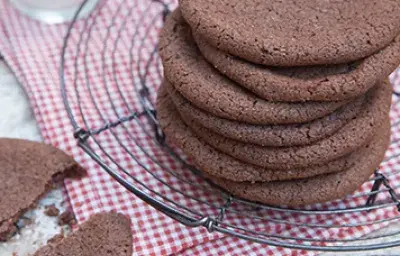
280, 102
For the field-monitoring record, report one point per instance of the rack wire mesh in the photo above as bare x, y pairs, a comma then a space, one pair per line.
130, 73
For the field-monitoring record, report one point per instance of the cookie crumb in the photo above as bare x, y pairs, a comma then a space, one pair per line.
7, 230
66, 218
52, 211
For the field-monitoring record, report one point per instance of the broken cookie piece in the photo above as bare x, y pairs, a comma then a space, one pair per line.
66, 218
104, 234
27, 170
51, 211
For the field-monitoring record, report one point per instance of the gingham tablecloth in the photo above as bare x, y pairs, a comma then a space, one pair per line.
32, 50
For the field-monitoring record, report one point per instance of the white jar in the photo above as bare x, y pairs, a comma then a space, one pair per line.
53, 11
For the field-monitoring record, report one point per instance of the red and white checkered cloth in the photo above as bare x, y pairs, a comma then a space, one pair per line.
33, 50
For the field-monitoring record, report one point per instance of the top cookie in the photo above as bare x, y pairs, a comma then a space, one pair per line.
295, 32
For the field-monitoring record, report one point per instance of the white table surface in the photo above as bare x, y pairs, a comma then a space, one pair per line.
18, 122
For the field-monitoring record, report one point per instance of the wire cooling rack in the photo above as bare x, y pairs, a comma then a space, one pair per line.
113, 104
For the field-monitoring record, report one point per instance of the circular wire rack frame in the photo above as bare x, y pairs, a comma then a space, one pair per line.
111, 107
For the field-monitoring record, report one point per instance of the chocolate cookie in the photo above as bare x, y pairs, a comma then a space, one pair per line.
311, 83
317, 189
265, 135
104, 234
217, 164
349, 138
207, 89
27, 170
295, 32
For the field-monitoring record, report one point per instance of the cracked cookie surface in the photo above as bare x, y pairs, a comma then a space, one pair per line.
295, 32
266, 135
349, 138
218, 164
316, 189
310, 83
